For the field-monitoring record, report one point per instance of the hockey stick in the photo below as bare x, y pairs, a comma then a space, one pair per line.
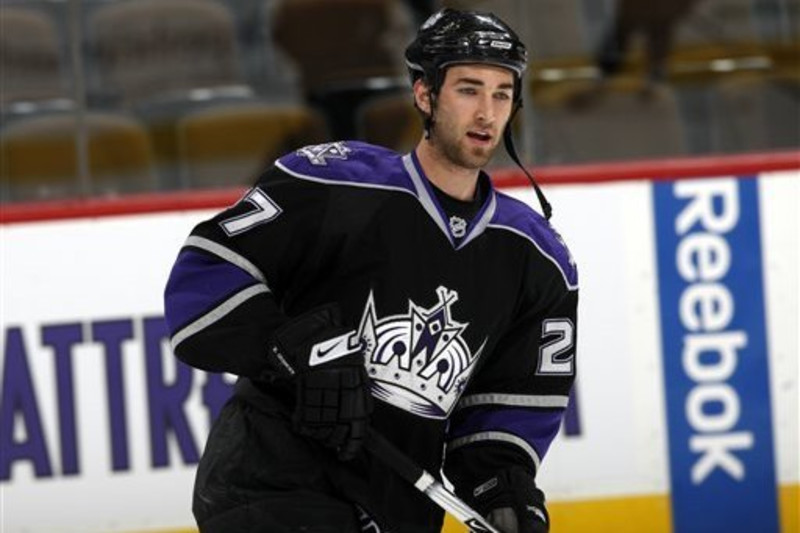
426, 483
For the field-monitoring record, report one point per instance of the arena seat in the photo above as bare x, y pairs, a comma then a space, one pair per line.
576, 122
377, 32
755, 112
784, 43
39, 157
30, 61
716, 30
228, 145
176, 63
340, 70
390, 121
559, 36
555, 32
151, 49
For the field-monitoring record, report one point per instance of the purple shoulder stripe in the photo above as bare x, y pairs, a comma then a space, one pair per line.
349, 163
516, 216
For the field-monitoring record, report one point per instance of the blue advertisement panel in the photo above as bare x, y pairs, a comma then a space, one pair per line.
715, 356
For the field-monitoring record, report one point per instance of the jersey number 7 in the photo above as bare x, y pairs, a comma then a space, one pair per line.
263, 210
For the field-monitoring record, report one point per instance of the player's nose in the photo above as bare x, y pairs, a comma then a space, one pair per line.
484, 113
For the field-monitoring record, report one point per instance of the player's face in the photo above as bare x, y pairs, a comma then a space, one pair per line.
473, 107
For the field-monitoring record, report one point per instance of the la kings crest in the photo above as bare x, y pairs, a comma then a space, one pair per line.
418, 361
319, 154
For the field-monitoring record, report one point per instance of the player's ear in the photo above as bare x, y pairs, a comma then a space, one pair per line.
422, 96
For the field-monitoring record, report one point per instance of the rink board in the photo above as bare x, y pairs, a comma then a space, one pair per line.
100, 426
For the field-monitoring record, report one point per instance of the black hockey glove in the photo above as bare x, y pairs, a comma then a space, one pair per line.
326, 362
511, 501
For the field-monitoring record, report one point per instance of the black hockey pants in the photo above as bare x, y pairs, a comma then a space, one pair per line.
255, 477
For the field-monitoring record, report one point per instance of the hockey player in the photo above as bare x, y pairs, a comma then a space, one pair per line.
356, 290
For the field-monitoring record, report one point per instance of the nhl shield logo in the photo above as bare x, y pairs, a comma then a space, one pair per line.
418, 361
458, 226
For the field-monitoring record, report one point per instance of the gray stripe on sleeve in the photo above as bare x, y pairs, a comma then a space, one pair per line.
227, 254
514, 400
496, 436
217, 313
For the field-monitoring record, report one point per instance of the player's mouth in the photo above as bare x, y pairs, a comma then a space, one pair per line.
480, 137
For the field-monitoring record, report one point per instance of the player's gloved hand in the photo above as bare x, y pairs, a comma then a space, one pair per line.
511, 501
326, 362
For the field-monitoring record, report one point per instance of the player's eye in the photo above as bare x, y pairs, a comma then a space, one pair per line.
502, 96
467, 90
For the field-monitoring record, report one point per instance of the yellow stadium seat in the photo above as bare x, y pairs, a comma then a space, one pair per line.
228, 145
40, 162
390, 121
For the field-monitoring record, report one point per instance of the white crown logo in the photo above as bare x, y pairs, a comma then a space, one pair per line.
418, 361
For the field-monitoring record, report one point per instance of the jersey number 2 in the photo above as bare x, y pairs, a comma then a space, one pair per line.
264, 210
557, 355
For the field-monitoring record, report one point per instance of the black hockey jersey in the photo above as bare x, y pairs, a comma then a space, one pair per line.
470, 329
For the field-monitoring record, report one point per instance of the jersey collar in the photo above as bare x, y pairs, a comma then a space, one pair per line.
426, 196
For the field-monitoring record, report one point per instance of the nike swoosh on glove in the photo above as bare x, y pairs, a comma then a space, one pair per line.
326, 362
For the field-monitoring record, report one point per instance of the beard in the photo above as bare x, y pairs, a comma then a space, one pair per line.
457, 152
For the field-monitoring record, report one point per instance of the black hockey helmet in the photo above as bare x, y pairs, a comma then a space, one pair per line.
451, 37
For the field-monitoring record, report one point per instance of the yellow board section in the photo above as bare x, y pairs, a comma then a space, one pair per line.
789, 501
622, 515
618, 515
629, 515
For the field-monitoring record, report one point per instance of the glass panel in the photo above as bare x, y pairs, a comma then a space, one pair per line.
114, 97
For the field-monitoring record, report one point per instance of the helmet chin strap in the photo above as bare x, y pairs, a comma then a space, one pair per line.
508, 140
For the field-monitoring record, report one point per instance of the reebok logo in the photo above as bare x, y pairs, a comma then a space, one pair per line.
489, 485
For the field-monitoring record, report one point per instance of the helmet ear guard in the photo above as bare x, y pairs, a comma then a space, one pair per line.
450, 37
